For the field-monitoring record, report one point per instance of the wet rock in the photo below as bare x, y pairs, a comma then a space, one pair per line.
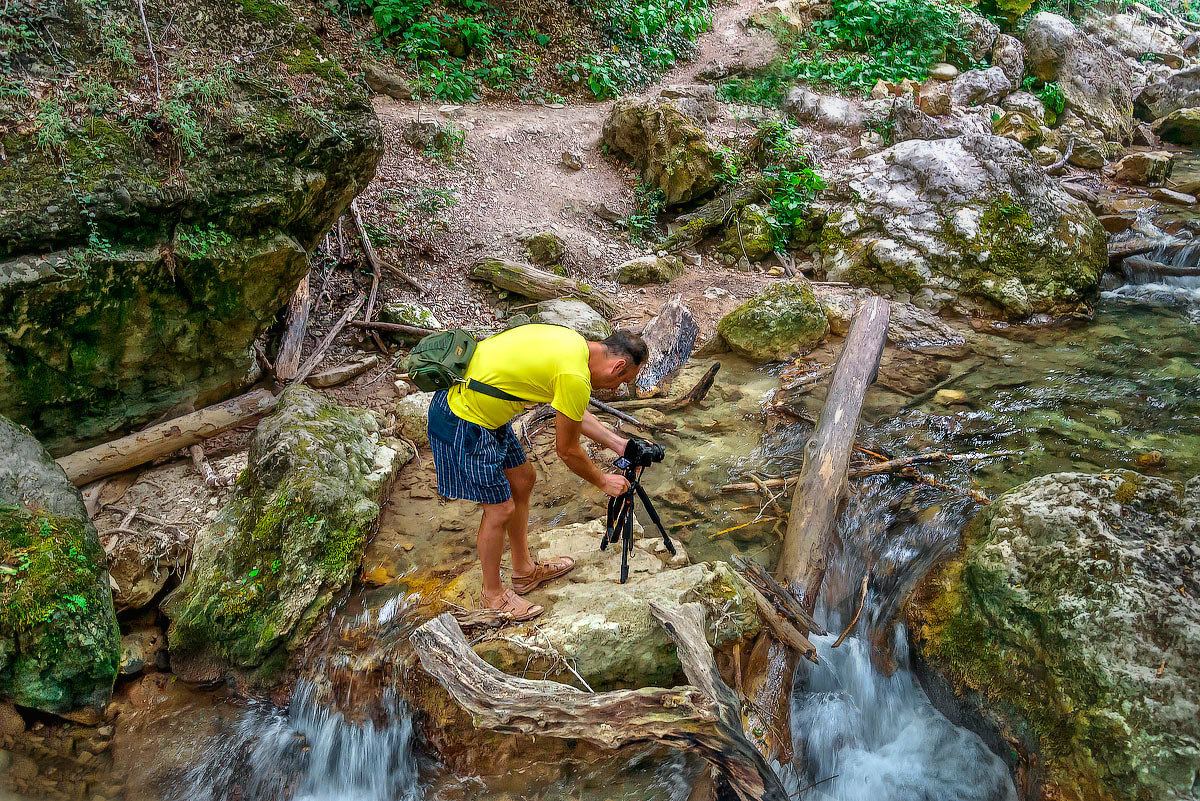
670, 339
943, 72
1147, 169
59, 641
1019, 127
672, 151
1095, 81
1009, 55
1062, 626
546, 248
574, 314
980, 86
1171, 196
134, 278
1027, 104
289, 540
1115, 224
144, 647
972, 218
1179, 90
750, 234
784, 320
412, 416
1180, 127
385, 82
908, 327
649, 269
408, 312
605, 628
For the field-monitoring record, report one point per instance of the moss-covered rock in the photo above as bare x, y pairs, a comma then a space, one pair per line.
145, 246
1069, 624
547, 249
408, 312
666, 143
784, 320
650, 269
971, 223
59, 641
1181, 127
1019, 127
289, 540
749, 234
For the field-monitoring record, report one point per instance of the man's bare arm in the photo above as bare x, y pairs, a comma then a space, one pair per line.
596, 431
570, 450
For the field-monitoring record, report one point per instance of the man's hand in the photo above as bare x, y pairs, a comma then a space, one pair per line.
613, 484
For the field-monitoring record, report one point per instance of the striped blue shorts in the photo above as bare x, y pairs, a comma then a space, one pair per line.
470, 459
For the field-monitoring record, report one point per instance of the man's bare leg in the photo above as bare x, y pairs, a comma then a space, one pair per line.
490, 542
521, 479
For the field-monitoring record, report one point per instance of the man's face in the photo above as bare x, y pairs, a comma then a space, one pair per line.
617, 372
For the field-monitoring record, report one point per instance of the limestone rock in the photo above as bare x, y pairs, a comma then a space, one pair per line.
1147, 169
650, 269
574, 314
412, 416
1177, 91
385, 82
1090, 150
978, 32
1009, 55
1069, 625
972, 218
605, 628
408, 312
980, 86
1131, 37
1019, 127
750, 234
943, 72
290, 539
59, 641
1026, 103
908, 327
672, 151
935, 99
1171, 196
1180, 127
134, 277
782, 321
827, 112
1095, 81
546, 248
911, 122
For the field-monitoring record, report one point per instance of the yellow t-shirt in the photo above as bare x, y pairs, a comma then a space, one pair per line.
542, 363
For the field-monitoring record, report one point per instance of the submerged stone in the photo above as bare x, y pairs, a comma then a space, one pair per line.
59, 641
1069, 625
289, 540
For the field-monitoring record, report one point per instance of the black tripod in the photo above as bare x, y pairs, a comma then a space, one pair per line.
620, 515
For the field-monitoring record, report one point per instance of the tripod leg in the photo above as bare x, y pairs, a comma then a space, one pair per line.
609, 524
627, 541
650, 510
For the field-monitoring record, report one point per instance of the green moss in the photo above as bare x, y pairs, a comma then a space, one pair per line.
265, 11
784, 319
311, 62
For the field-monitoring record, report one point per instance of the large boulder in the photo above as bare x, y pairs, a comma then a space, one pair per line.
784, 320
289, 540
147, 242
604, 629
978, 33
1096, 82
672, 151
1177, 91
1009, 55
650, 269
1068, 626
974, 87
574, 314
971, 222
1180, 127
750, 234
60, 646
1132, 37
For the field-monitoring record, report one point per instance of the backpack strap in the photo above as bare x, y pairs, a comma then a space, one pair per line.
488, 389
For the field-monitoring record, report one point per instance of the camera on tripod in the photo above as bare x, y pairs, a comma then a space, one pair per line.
639, 454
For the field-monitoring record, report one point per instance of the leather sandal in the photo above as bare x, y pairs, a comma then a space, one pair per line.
512, 604
542, 572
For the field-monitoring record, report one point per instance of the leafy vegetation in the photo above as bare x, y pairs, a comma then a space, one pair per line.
790, 179
1050, 93
642, 224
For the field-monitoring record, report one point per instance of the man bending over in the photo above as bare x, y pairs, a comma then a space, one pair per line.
478, 457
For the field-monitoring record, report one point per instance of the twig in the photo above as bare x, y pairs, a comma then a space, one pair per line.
400, 328
620, 415
1053, 169
771, 499
319, 353
372, 258
212, 479
150, 44
862, 598
814, 784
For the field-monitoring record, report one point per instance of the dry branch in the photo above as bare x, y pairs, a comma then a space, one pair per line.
781, 599
372, 257
890, 466
862, 599
785, 631
85, 466
527, 280
212, 479
397, 327
315, 358
693, 396
704, 717
287, 362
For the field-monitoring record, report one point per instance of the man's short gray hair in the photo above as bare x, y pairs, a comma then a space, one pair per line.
626, 344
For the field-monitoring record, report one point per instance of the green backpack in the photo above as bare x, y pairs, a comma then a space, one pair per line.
439, 361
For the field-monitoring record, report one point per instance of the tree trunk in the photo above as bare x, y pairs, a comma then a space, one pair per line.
287, 363
704, 716
819, 493
535, 284
85, 466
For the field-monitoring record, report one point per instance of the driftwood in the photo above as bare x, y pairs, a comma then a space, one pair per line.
535, 284
815, 505
670, 339
781, 599
862, 599
704, 716
85, 466
287, 362
373, 257
784, 630
315, 357
212, 479
1139, 264
693, 396
890, 466
399, 328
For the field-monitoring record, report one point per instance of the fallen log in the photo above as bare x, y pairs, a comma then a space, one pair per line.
85, 466
315, 358
820, 489
890, 466
693, 396
535, 284
703, 717
291, 345
620, 415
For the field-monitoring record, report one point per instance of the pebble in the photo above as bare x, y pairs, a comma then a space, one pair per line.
949, 397
944, 72
572, 160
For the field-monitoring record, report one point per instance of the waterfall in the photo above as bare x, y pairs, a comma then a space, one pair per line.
1171, 273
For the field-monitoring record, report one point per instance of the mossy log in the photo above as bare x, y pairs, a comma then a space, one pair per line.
527, 280
704, 717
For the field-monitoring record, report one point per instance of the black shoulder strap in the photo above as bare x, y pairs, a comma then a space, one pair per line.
488, 389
